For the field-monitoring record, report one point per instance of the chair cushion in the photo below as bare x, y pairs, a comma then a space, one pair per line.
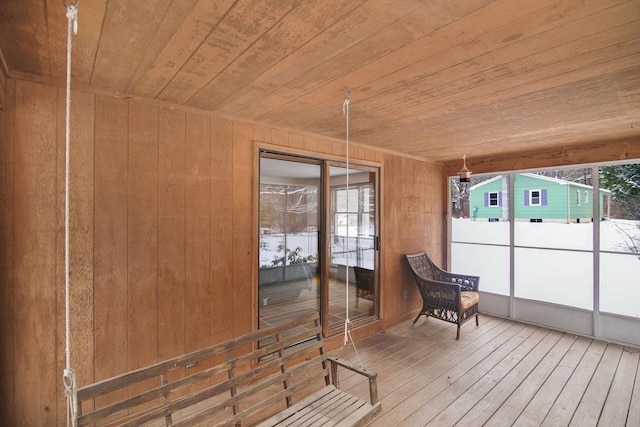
469, 299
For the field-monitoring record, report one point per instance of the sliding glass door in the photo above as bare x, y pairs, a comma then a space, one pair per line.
318, 245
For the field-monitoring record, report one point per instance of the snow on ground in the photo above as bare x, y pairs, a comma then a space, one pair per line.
269, 243
360, 249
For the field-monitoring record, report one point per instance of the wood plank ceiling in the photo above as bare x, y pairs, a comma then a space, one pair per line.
434, 79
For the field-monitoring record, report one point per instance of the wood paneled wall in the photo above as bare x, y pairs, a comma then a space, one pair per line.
413, 220
162, 236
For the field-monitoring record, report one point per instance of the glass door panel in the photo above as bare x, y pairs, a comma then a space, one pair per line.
352, 245
289, 241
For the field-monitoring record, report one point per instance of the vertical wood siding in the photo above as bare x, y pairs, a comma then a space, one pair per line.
110, 237
7, 204
81, 203
162, 236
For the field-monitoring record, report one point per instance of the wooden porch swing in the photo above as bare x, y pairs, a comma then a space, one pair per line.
238, 382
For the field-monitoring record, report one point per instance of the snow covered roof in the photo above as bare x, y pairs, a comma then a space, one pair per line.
541, 177
495, 178
560, 181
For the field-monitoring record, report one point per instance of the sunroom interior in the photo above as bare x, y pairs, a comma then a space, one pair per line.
236, 163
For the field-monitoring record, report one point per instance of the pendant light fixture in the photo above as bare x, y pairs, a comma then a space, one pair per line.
465, 174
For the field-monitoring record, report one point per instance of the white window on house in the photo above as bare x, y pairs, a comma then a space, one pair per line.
586, 196
493, 198
578, 197
535, 198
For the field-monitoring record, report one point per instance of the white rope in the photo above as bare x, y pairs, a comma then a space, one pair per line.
347, 321
345, 111
68, 376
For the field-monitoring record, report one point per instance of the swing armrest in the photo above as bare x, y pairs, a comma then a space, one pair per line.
371, 375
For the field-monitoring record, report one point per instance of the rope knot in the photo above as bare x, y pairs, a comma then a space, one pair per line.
347, 100
72, 15
69, 380
345, 341
72, 12
66, 4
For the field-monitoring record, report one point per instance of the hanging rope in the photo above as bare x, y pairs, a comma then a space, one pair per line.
347, 321
68, 376
345, 112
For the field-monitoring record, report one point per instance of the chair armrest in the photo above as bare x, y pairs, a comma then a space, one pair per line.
371, 375
348, 365
466, 282
439, 294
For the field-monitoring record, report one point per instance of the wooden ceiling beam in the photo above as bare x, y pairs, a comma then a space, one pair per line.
623, 149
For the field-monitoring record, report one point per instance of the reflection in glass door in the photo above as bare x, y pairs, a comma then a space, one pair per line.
288, 274
352, 245
318, 246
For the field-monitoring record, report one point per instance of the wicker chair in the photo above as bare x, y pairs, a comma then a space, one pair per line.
445, 296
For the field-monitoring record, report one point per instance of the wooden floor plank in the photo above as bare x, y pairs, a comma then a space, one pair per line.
616, 407
634, 407
397, 391
509, 412
588, 411
527, 339
450, 370
386, 356
539, 406
414, 355
394, 346
498, 395
564, 407
491, 354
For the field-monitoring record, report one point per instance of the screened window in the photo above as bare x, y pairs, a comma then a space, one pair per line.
559, 263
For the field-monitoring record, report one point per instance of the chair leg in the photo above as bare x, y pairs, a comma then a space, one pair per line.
477, 322
458, 332
417, 317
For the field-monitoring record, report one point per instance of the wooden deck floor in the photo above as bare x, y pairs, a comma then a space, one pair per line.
501, 373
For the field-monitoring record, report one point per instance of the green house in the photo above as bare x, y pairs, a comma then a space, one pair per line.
537, 198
